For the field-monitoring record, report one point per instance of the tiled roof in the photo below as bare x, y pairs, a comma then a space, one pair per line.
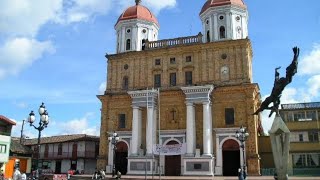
216, 3
16, 147
6, 120
62, 138
138, 12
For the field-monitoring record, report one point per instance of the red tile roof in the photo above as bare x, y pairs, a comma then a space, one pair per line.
62, 138
6, 120
138, 12
215, 3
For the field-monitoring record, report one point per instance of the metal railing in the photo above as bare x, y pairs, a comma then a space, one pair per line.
66, 155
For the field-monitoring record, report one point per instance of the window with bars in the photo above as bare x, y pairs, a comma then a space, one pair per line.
173, 79
229, 116
188, 77
122, 121
157, 80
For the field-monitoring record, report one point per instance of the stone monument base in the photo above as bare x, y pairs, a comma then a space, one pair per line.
280, 143
198, 165
142, 165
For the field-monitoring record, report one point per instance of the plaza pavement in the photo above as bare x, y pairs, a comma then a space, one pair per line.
83, 177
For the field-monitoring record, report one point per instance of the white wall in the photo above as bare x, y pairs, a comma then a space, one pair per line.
65, 166
90, 166
5, 140
80, 165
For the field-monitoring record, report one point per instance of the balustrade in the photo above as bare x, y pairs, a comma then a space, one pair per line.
174, 42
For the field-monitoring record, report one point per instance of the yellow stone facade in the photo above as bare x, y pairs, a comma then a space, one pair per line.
232, 89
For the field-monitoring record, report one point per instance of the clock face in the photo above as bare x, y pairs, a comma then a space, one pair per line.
224, 70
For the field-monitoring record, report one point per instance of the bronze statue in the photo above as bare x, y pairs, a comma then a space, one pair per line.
279, 85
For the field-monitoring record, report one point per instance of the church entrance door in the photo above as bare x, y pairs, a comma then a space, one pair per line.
231, 157
173, 163
121, 161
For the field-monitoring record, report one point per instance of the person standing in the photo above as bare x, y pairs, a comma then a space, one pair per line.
17, 174
23, 176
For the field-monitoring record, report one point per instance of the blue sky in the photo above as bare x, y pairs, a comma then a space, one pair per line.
53, 52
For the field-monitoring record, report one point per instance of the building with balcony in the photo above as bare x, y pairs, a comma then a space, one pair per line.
5, 140
59, 154
303, 120
195, 91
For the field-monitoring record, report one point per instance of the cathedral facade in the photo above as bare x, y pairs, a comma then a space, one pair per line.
194, 91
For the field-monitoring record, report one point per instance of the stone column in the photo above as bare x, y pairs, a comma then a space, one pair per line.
123, 39
110, 154
215, 27
191, 135
207, 129
136, 131
149, 130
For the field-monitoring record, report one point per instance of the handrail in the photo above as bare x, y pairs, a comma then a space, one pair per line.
174, 42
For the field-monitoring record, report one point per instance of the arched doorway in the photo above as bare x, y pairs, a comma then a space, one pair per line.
173, 163
230, 157
121, 161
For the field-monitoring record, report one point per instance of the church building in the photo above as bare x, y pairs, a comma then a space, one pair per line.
193, 91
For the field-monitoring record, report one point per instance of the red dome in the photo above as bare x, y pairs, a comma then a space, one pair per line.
138, 12
215, 3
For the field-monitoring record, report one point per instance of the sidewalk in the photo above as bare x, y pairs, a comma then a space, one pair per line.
83, 177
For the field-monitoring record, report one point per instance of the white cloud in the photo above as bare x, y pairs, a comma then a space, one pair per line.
80, 126
24, 18
310, 64
314, 85
154, 6
19, 53
102, 88
83, 10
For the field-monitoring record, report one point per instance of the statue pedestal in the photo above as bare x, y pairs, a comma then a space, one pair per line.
280, 142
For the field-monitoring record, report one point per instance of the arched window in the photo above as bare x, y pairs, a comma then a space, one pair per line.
125, 83
143, 44
208, 36
128, 45
222, 32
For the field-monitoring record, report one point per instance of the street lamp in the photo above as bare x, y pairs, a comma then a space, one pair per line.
114, 140
43, 123
242, 136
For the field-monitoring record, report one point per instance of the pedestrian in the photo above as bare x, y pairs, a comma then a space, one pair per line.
17, 174
23, 176
95, 175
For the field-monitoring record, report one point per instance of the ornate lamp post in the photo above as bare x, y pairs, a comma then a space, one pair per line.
114, 140
242, 136
43, 123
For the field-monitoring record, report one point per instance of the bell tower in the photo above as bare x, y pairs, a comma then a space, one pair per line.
135, 26
224, 20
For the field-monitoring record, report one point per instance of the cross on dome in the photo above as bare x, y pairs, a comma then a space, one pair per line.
138, 2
